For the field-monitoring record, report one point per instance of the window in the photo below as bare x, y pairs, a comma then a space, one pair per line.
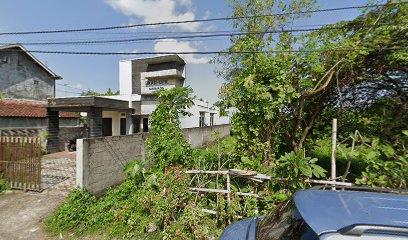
284, 225
4, 60
202, 119
211, 119
223, 112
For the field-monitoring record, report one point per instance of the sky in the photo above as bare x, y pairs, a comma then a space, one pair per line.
83, 72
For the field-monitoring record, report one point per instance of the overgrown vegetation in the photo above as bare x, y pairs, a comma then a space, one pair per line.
4, 185
285, 101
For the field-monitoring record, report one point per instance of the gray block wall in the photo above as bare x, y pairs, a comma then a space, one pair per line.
22, 78
200, 136
100, 161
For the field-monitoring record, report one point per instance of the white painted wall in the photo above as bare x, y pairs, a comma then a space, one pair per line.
115, 121
125, 77
203, 106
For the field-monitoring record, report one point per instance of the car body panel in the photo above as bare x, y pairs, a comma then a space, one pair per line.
241, 230
330, 211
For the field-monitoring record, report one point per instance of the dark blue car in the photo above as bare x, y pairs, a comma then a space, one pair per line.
319, 214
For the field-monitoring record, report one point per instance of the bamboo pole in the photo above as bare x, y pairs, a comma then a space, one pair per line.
333, 155
228, 188
353, 144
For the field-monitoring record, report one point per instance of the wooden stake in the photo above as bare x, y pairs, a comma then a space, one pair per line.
333, 155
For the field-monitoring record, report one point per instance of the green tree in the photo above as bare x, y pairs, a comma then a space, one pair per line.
167, 144
90, 92
281, 94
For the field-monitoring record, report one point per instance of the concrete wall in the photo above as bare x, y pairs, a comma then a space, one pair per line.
100, 161
22, 78
198, 137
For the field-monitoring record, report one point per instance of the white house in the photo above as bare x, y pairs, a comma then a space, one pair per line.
139, 81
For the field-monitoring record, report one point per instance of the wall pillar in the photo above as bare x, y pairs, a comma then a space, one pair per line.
129, 123
95, 122
53, 131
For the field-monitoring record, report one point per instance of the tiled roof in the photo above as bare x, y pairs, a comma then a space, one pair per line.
24, 108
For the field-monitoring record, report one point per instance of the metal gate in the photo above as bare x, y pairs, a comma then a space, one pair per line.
20, 162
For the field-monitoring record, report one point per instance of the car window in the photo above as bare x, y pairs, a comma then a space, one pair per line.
287, 225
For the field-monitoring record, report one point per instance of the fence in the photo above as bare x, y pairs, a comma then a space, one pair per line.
20, 162
245, 174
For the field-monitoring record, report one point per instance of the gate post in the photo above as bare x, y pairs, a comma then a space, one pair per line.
95, 122
52, 130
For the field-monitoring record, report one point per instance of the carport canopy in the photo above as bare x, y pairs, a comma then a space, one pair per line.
93, 105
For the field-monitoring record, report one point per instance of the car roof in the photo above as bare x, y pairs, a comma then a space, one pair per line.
328, 211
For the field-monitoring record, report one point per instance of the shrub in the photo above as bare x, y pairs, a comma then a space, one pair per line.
4, 185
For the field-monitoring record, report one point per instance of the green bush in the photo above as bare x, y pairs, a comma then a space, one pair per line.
74, 213
4, 185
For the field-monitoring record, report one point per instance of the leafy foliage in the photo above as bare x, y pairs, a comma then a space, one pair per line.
108, 92
4, 185
167, 144
285, 98
297, 168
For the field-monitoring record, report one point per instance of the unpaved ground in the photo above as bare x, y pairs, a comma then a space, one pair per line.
22, 213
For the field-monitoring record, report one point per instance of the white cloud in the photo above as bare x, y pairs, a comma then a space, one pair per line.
186, 3
172, 45
157, 11
78, 85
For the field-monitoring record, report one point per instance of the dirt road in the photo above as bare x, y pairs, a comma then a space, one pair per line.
22, 213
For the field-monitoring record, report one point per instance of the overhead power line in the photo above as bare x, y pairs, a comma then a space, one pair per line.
131, 40
195, 21
69, 86
214, 52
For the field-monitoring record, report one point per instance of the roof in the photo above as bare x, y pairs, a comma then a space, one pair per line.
23, 49
329, 211
24, 108
159, 59
85, 103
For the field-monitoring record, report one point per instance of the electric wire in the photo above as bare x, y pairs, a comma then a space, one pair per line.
197, 20
212, 52
131, 40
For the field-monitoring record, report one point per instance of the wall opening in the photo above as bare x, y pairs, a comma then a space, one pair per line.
123, 126
107, 126
145, 124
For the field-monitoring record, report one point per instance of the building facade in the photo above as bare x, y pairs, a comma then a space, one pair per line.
128, 112
22, 76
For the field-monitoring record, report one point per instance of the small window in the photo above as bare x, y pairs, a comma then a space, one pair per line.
4, 60
223, 112
212, 119
202, 119
36, 82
